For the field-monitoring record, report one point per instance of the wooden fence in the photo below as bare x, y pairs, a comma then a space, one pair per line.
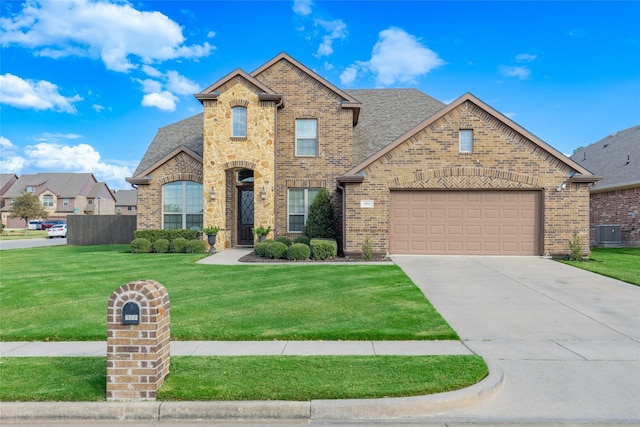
84, 230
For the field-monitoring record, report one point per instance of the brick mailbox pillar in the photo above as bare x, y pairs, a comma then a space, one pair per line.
138, 340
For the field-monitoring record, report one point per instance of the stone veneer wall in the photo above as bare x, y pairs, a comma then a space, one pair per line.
305, 97
501, 159
616, 207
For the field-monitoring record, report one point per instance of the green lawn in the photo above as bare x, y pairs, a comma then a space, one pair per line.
619, 263
20, 234
61, 293
248, 378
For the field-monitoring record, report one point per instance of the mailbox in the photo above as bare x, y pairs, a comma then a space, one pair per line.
131, 314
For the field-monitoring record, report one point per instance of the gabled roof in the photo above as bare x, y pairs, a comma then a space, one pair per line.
6, 179
399, 109
187, 132
615, 157
66, 185
584, 174
348, 100
211, 91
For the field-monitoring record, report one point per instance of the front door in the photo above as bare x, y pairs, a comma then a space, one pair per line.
245, 215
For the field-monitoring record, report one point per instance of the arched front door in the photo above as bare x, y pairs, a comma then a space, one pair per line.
245, 208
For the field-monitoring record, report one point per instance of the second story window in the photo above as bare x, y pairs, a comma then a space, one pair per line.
307, 137
466, 140
239, 115
47, 201
31, 189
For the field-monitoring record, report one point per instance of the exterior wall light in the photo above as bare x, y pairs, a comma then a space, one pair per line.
263, 193
561, 187
212, 194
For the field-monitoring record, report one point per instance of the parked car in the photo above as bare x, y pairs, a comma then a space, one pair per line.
35, 225
58, 230
47, 224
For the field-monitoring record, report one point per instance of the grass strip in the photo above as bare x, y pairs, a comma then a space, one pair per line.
618, 263
296, 378
61, 293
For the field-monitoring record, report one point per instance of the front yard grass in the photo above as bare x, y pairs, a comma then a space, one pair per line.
61, 293
248, 378
619, 263
19, 234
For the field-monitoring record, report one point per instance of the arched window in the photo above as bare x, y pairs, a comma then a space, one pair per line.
182, 205
239, 122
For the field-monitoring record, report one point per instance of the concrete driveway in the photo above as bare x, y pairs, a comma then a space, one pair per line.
567, 340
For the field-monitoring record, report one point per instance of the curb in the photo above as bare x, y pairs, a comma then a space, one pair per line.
383, 408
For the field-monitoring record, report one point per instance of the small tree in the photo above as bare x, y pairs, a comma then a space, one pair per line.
320, 222
27, 206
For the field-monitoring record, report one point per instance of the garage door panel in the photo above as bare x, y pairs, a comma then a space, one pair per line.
465, 222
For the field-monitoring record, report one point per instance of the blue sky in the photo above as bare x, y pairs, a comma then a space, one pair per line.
84, 85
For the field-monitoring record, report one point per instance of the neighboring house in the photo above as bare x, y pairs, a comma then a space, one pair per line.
6, 181
409, 173
616, 199
126, 202
61, 194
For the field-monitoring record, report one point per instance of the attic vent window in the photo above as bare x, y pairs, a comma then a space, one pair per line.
31, 189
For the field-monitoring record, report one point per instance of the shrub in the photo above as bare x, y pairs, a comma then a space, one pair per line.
303, 239
195, 246
170, 235
261, 248
160, 246
276, 250
575, 247
141, 246
322, 249
298, 252
367, 249
179, 245
284, 239
320, 223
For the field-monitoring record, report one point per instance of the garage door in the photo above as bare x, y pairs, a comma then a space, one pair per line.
465, 222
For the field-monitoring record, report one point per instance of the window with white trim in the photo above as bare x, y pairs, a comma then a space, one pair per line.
65, 203
47, 201
239, 122
306, 137
182, 205
299, 201
466, 140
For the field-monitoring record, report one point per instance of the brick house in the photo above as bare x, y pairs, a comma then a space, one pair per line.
615, 200
406, 171
61, 194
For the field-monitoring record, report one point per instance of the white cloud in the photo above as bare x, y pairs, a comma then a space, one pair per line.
397, 57
519, 72
5, 143
336, 30
302, 7
39, 95
121, 36
97, 108
163, 100
349, 75
526, 57
180, 84
75, 158
211, 34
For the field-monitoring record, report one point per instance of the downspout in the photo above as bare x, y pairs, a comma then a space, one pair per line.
343, 227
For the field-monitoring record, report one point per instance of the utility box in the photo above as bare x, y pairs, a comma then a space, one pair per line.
608, 234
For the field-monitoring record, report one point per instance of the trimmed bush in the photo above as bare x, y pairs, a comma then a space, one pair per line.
284, 239
179, 245
320, 222
261, 248
140, 246
303, 239
170, 235
195, 246
298, 252
160, 246
367, 249
276, 250
322, 249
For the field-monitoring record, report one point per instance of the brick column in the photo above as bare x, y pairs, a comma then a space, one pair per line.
137, 346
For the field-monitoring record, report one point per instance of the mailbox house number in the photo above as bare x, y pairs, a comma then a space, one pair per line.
130, 314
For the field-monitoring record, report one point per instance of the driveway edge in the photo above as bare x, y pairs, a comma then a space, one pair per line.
398, 407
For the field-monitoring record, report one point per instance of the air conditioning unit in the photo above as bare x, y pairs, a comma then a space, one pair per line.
608, 234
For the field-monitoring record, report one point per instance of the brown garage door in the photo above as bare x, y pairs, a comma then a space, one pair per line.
465, 222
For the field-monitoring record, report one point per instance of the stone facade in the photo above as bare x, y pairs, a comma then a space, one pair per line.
617, 207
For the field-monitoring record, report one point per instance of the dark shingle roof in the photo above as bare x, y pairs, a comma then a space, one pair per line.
615, 157
387, 114
187, 132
